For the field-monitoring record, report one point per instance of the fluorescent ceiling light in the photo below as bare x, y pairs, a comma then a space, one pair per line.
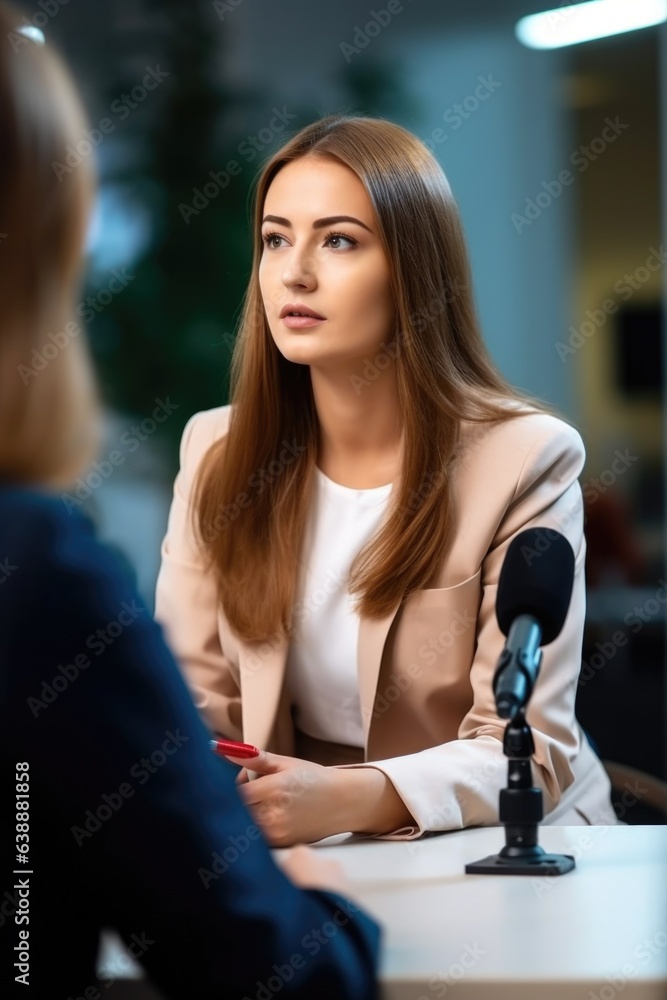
571, 24
31, 32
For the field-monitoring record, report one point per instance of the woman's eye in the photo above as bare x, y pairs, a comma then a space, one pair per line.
340, 236
268, 239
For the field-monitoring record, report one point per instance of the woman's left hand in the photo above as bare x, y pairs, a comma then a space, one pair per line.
294, 801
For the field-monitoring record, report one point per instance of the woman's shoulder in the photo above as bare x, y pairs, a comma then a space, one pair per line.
202, 429
525, 431
534, 453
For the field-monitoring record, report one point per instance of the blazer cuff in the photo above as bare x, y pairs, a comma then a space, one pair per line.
447, 787
457, 784
410, 832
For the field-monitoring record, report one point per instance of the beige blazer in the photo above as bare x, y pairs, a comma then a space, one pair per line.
426, 669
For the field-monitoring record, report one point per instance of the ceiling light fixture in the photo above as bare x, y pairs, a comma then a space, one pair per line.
572, 24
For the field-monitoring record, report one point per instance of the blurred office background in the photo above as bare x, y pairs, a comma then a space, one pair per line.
570, 283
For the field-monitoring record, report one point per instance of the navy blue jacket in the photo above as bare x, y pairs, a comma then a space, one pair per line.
134, 823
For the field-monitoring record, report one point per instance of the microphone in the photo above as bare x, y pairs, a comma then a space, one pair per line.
534, 592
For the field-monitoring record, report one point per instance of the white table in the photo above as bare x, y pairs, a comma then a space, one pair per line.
596, 933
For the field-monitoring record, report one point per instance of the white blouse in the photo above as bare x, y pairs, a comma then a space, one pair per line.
321, 672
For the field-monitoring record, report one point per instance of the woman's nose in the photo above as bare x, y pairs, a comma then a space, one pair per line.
299, 268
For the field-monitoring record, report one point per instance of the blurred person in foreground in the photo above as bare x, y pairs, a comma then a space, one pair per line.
124, 817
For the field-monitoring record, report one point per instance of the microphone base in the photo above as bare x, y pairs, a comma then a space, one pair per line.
537, 863
520, 812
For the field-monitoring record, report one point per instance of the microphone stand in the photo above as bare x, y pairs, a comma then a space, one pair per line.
521, 810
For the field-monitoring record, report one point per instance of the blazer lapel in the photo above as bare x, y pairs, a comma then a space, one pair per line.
262, 670
370, 645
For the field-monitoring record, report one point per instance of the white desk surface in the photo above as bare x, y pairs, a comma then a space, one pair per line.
592, 934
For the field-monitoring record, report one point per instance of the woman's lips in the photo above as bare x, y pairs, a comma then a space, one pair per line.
300, 322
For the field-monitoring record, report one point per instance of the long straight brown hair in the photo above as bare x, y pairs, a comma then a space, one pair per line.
444, 376
49, 402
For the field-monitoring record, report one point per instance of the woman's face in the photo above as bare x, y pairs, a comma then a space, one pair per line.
342, 277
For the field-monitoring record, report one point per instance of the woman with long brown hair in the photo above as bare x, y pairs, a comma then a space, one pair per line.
330, 566
124, 817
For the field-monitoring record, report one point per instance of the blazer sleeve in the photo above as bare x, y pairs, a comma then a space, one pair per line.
176, 854
457, 784
186, 603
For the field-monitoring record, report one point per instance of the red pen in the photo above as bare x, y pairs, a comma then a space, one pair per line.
230, 748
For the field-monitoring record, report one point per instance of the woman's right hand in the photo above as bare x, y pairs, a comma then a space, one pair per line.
309, 871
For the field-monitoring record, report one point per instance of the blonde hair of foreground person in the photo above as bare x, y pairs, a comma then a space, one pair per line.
49, 425
444, 375
49, 411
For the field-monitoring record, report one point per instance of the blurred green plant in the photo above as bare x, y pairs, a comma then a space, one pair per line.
171, 331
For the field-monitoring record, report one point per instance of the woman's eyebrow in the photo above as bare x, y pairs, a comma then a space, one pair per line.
318, 223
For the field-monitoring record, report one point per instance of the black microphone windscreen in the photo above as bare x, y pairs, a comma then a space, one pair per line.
536, 579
